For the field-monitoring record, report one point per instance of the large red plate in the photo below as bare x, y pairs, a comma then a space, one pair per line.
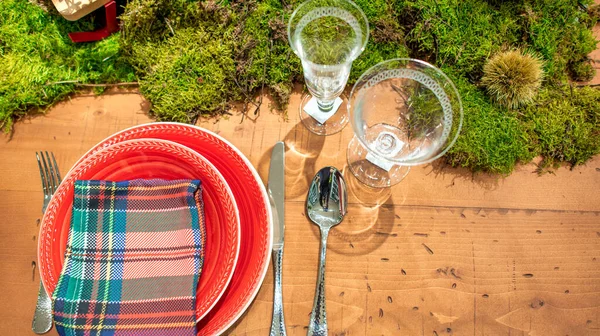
253, 205
150, 158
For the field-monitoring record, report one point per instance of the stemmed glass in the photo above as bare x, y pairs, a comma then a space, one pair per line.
327, 35
404, 112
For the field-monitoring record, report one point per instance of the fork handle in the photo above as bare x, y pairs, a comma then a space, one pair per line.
42, 319
317, 326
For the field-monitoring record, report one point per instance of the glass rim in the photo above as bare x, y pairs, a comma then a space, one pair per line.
408, 162
352, 3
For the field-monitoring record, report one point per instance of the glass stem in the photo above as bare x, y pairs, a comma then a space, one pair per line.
325, 105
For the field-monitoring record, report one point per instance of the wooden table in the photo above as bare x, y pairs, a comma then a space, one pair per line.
443, 253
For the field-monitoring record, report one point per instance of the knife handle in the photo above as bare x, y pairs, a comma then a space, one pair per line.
278, 324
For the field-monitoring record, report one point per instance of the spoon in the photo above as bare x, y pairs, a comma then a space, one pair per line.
326, 206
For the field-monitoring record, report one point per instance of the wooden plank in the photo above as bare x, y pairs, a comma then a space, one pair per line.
480, 271
442, 253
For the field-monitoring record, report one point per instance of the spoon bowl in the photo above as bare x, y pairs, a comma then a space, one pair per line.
327, 200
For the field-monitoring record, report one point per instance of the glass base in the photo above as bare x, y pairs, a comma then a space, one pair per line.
335, 123
372, 171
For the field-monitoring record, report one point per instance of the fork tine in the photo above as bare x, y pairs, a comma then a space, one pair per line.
47, 174
56, 169
51, 176
42, 172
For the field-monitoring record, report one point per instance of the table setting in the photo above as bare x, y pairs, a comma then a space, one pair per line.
168, 229
234, 208
305, 167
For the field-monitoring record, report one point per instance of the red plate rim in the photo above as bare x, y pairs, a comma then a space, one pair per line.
223, 323
160, 145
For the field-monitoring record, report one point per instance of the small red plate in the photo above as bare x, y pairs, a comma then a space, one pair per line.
253, 205
150, 158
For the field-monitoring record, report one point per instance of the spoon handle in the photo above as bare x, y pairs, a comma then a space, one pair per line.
318, 318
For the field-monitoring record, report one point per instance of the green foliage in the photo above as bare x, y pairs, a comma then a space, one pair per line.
564, 125
35, 52
46, 5
193, 58
560, 31
156, 20
375, 53
583, 71
492, 138
270, 60
594, 12
190, 75
386, 39
462, 33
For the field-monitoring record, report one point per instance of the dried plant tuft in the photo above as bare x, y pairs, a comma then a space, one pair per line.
513, 78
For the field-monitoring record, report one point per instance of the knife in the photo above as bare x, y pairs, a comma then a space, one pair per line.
276, 188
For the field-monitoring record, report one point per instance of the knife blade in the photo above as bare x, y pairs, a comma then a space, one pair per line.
276, 187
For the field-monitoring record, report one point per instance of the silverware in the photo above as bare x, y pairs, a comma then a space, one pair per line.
277, 196
42, 318
326, 206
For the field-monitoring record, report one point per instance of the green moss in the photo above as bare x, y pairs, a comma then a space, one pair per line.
375, 53
375, 9
594, 12
193, 58
156, 20
464, 33
564, 125
190, 75
461, 33
270, 62
492, 139
36, 52
582, 71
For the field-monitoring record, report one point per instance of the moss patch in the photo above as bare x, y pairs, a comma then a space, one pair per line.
35, 52
564, 125
194, 58
492, 139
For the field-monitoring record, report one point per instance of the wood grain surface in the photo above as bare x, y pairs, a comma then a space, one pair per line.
445, 252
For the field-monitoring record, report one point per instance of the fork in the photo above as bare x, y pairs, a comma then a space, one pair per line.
42, 319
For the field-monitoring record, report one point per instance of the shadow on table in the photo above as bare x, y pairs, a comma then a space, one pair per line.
302, 148
370, 219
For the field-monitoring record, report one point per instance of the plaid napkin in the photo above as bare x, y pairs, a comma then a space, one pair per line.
133, 259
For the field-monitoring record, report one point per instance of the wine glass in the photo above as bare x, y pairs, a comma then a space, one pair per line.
327, 35
404, 112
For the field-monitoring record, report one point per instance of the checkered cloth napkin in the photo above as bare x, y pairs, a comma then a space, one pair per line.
133, 259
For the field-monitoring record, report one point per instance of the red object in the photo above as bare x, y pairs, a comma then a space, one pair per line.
253, 206
146, 159
102, 33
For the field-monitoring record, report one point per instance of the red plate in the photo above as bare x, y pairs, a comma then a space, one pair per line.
150, 158
253, 205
